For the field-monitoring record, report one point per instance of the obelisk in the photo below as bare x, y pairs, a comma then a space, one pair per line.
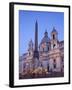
36, 53
36, 36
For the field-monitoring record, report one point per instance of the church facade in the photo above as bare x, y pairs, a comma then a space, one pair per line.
48, 56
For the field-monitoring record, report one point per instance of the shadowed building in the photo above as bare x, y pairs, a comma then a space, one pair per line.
48, 56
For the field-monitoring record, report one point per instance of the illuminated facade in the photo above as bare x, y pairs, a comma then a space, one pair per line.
48, 56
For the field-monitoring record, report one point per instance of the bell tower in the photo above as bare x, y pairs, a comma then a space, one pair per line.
54, 38
30, 48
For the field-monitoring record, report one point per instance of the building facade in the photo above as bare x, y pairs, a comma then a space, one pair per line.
49, 54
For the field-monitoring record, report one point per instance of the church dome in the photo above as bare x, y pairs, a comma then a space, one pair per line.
45, 39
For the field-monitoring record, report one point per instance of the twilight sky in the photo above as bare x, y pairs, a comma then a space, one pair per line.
46, 21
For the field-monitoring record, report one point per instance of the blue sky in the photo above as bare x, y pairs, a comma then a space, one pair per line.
46, 21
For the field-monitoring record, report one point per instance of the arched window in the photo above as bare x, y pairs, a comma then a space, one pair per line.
48, 48
53, 36
54, 63
54, 45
